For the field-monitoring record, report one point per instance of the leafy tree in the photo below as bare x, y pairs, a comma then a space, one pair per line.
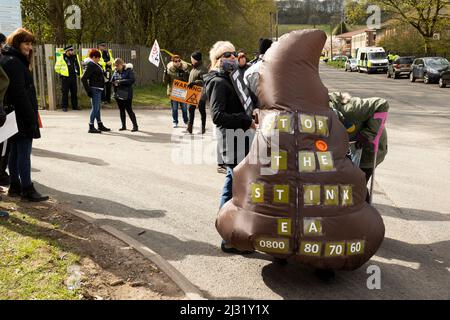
426, 16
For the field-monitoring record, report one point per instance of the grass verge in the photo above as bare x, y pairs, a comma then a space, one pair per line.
49, 254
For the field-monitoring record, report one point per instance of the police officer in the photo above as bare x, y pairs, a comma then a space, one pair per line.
107, 62
69, 68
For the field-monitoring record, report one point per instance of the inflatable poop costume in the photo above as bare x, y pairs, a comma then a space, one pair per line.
303, 198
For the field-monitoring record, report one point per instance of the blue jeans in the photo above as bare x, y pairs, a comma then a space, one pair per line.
96, 101
175, 106
227, 192
20, 161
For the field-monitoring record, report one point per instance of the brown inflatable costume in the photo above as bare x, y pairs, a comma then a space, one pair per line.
312, 207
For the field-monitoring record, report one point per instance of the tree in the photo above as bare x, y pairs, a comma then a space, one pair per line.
425, 16
355, 12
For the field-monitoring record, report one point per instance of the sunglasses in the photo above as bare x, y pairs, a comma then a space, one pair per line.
228, 54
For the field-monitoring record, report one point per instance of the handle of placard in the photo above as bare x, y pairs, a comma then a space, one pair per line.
383, 116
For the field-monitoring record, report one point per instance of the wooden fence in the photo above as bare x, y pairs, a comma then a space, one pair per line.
48, 83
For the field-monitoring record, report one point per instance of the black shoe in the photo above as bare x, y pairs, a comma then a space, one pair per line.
189, 128
325, 274
135, 129
281, 261
101, 127
64, 109
32, 195
15, 189
76, 109
203, 130
4, 180
227, 249
93, 130
123, 129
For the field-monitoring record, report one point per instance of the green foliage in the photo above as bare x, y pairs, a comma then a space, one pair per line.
179, 26
355, 12
340, 29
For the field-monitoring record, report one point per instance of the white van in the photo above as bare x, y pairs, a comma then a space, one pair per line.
372, 59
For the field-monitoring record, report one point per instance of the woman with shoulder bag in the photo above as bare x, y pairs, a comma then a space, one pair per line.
94, 82
123, 80
21, 95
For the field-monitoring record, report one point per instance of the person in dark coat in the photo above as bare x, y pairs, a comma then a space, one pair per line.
123, 80
196, 79
4, 83
93, 81
21, 97
4, 146
228, 115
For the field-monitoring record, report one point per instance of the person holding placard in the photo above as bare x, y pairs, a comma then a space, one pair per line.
176, 70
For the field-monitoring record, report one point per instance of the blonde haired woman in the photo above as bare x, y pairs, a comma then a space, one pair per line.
228, 114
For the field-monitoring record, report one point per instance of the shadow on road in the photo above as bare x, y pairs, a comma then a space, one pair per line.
411, 214
68, 157
408, 271
98, 205
150, 137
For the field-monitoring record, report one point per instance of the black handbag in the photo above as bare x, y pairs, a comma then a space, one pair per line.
121, 94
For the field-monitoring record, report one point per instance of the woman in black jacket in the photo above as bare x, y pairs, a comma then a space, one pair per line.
21, 97
123, 80
228, 115
94, 83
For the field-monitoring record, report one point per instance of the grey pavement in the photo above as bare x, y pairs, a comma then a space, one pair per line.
161, 188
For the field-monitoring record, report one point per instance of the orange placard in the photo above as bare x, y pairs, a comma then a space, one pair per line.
181, 93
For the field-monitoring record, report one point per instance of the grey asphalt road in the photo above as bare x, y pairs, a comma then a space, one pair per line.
164, 186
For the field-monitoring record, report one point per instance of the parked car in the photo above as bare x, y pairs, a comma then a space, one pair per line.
400, 67
351, 65
343, 58
445, 78
430, 69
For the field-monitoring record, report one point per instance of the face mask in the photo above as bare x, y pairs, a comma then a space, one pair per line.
229, 65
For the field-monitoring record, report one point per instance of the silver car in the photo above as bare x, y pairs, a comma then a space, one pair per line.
351, 65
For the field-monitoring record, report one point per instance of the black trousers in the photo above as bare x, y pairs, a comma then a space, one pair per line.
126, 105
69, 84
201, 108
4, 158
369, 173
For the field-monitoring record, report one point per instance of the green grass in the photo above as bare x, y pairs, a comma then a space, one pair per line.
336, 64
154, 95
286, 28
32, 267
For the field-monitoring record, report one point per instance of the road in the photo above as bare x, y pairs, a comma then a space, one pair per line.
144, 183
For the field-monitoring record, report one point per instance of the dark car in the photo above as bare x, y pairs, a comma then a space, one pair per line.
429, 69
401, 66
445, 78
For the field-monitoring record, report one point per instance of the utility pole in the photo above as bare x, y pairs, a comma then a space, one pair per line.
331, 42
270, 25
276, 27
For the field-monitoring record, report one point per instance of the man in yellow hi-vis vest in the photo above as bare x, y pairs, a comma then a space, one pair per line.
69, 68
107, 62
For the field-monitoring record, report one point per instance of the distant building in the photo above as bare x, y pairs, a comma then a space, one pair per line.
351, 41
364, 38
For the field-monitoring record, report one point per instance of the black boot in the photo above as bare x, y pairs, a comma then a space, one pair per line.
15, 189
190, 128
30, 194
93, 130
135, 129
101, 127
4, 179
